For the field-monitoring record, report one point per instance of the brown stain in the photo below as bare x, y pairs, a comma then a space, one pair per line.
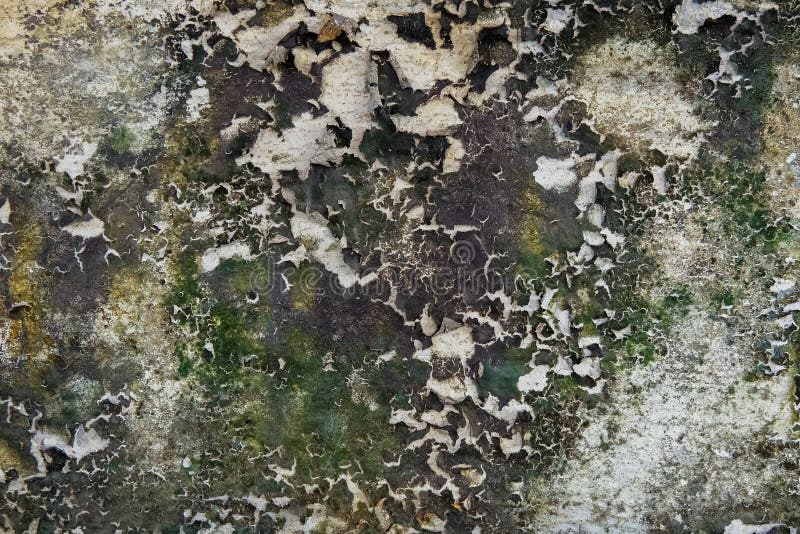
329, 31
427, 519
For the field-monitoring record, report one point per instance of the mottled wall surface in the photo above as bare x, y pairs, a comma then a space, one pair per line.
399, 266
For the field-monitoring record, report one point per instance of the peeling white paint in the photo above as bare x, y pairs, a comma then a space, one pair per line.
212, 257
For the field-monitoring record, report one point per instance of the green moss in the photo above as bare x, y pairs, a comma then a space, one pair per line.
756, 373
320, 403
739, 188
185, 365
236, 275
301, 400
230, 340
185, 288
640, 348
676, 303
345, 422
568, 389
226, 333
303, 350
723, 297
121, 139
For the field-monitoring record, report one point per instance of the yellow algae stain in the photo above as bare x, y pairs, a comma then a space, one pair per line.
9, 458
25, 335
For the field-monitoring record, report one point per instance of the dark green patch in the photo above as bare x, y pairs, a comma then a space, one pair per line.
501, 380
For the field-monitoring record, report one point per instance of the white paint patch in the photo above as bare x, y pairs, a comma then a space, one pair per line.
631, 90
555, 174
84, 443
312, 229
456, 344
536, 380
88, 229
5, 212
257, 44
557, 19
73, 164
589, 367
350, 91
436, 117
363, 9
453, 155
782, 286
659, 179
212, 257
148, 10
419, 67
453, 390
690, 16
198, 101
738, 527
295, 148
